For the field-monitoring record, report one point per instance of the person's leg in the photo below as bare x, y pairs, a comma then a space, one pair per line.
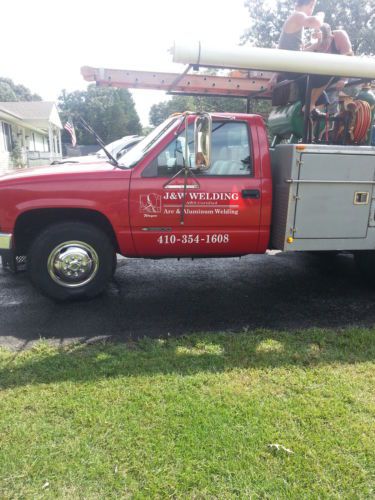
319, 85
315, 94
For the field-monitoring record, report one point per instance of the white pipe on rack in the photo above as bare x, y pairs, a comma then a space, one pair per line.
243, 57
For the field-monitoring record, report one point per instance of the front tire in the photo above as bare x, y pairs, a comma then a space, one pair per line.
71, 260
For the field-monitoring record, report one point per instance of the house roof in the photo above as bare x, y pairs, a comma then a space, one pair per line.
32, 111
29, 110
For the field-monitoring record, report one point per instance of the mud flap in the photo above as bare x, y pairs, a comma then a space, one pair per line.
13, 263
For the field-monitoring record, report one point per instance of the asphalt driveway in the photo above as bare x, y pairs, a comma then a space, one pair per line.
170, 297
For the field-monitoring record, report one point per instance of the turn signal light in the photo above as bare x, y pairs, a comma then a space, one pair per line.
290, 240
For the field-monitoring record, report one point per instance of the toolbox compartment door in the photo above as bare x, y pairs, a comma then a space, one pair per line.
334, 194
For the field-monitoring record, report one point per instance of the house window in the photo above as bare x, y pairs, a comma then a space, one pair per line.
7, 133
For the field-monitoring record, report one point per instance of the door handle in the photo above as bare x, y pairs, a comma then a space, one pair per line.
251, 193
181, 186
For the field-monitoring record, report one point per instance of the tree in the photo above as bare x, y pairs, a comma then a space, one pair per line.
16, 154
9, 91
178, 104
357, 17
110, 112
6, 93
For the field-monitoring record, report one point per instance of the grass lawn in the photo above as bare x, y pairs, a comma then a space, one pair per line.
192, 418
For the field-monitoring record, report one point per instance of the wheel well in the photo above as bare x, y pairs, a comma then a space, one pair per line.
30, 224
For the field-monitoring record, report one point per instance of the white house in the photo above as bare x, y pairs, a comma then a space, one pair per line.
32, 130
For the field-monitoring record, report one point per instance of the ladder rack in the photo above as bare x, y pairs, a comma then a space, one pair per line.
244, 84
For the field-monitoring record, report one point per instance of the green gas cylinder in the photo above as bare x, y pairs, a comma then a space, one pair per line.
286, 121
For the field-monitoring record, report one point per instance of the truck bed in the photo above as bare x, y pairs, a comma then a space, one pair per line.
323, 197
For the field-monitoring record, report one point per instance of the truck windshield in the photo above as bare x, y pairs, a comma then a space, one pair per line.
133, 156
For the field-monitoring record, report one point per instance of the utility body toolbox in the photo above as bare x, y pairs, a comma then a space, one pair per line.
323, 197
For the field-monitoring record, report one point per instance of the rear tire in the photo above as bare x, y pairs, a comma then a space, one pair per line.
71, 260
365, 261
325, 254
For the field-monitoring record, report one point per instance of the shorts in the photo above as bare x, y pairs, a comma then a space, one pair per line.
318, 81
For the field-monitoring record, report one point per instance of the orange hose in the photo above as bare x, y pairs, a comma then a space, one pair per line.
363, 121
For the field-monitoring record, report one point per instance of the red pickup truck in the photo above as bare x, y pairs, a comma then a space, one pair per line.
163, 200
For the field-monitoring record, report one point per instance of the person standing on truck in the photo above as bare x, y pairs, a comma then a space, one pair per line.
329, 42
291, 37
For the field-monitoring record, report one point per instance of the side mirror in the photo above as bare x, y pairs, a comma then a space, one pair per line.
202, 141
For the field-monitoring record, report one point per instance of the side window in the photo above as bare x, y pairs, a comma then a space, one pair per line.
230, 150
230, 153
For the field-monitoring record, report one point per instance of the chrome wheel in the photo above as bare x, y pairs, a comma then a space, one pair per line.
73, 264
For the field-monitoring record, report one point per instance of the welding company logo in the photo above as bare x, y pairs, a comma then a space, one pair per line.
150, 203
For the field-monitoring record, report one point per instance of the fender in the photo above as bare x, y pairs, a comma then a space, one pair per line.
103, 192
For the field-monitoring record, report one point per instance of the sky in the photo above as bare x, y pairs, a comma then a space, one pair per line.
44, 43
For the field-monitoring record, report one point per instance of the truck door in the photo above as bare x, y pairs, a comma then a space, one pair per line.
221, 212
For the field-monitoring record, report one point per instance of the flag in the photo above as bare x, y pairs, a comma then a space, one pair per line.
69, 127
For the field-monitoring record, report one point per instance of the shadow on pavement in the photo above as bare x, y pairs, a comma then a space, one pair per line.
170, 298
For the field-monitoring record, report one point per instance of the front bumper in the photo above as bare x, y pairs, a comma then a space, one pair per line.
6, 241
